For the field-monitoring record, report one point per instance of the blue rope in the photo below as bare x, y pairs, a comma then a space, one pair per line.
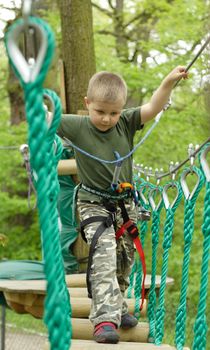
121, 159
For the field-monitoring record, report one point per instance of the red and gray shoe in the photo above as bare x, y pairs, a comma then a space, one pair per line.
128, 321
105, 332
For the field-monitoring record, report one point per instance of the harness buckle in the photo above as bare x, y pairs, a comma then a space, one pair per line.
110, 219
124, 186
133, 230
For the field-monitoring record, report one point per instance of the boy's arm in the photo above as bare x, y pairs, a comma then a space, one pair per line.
162, 94
67, 167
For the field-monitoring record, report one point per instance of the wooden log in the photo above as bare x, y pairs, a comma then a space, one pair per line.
72, 281
79, 280
34, 305
92, 345
83, 329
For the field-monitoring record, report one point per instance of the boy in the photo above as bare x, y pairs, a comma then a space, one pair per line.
106, 130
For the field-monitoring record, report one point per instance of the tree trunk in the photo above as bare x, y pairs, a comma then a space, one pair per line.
77, 50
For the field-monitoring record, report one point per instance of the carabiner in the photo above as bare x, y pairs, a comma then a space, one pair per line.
152, 192
165, 194
27, 72
189, 195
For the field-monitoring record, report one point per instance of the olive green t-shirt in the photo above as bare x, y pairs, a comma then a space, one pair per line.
81, 132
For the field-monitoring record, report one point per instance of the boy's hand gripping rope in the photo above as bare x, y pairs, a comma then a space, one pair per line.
42, 157
200, 325
190, 201
167, 242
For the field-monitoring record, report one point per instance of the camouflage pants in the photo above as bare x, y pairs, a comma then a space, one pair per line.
112, 263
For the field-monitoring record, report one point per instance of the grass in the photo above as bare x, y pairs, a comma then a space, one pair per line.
25, 323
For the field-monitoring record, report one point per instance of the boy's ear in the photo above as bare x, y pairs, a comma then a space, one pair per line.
86, 102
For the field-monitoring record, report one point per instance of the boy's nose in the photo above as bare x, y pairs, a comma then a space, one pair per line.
106, 118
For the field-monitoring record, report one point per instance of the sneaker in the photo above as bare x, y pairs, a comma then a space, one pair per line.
105, 332
128, 321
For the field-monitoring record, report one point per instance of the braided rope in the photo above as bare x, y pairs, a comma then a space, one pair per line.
200, 325
167, 242
143, 228
188, 235
41, 138
152, 295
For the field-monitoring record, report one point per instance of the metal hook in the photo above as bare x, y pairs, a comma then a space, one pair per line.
49, 114
172, 170
147, 172
155, 207
141, 194
158, 174
27, 71
165, 195
204, 163
184, 185
27, 9
191, 150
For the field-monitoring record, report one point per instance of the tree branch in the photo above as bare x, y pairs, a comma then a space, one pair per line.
111, 4
106, 32
101, 9
135, 18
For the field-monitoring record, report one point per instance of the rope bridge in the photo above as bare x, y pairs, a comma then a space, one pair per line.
45, 150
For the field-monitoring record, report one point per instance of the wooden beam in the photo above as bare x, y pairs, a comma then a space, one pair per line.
34, 305
72, 281
91, 345
83, 329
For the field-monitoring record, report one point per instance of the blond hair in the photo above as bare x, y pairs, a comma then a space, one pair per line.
107, 87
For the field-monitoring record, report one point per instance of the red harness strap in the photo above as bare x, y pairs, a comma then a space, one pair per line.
132, 229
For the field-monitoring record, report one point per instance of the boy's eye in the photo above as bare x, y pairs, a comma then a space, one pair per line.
114, 113
100, 112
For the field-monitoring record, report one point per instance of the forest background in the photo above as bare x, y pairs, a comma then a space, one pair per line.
141, 40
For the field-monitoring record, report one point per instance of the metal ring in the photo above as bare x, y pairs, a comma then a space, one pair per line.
52, 104
184, 185
165, 195
154, 206
204, 163
142, 196
27, 72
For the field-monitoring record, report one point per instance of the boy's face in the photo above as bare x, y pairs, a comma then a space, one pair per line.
104, 115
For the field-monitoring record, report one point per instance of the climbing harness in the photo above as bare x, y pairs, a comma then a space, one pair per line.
110, 202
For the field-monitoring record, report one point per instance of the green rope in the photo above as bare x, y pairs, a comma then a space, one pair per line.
42, 158
136, 265
200, 325
143, 228
188, 235
167, 242
152, 295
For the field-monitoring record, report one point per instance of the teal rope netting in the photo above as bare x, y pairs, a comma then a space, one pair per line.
167, 242
188, 235
200, 326
43, 162
155, 240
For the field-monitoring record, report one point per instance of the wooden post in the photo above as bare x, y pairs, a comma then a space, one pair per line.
91, 345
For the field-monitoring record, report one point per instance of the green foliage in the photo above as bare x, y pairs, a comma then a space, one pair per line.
18, 222
175, 32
